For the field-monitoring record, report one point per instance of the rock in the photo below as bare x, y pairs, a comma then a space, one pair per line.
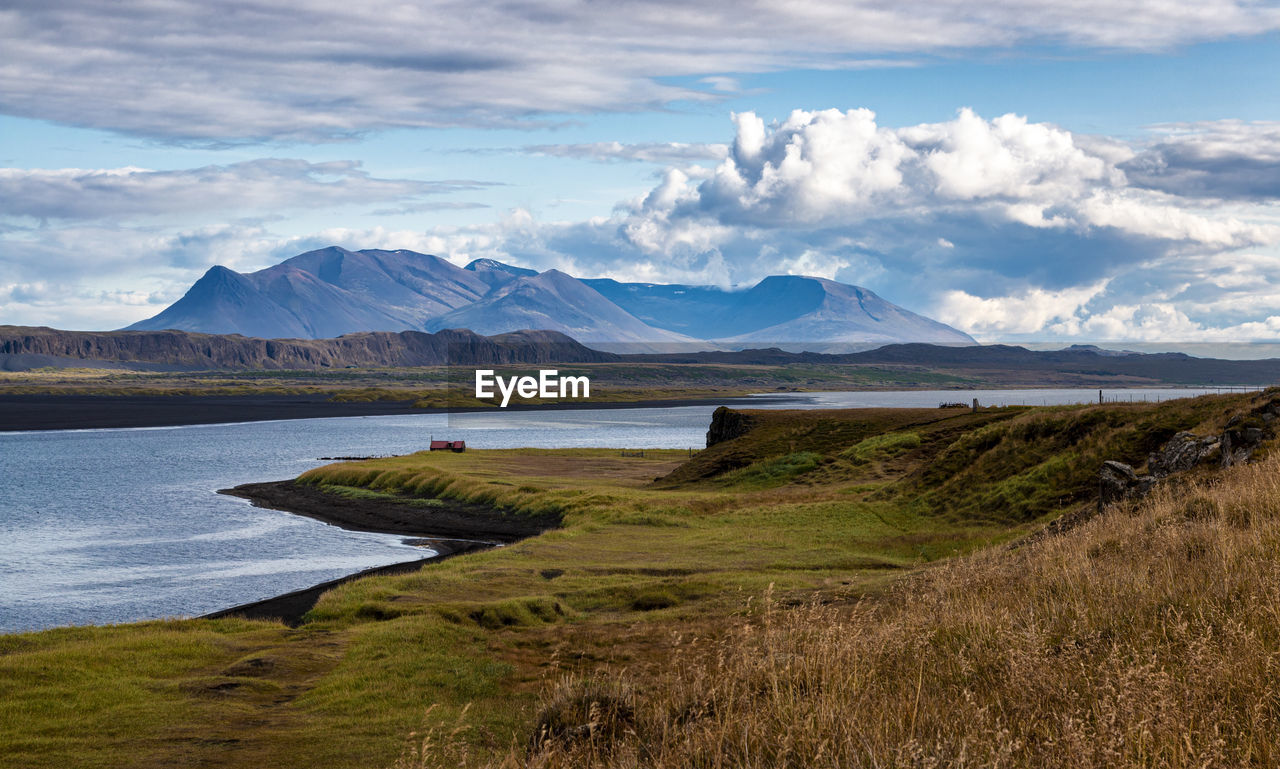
1239, 443
727, 424
1244, 434
1183, 452
1117, 481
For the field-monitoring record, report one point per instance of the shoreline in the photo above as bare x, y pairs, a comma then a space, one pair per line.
452, 528
53, 412
291, 607
30, 413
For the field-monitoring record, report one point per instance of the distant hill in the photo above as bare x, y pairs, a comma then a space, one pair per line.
556, 301
791, 312
324, 293
25, 347
839, 318
1013, 365
333, 291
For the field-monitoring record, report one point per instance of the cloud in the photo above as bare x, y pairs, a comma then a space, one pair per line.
1166, 324
1025, 313
1012, 198
663, 153
94, 257
722, 83
833, 168
1006, 158
1004, 227
419, 208
1226, 159
75, 306
241, 70
1088, 313
267, 184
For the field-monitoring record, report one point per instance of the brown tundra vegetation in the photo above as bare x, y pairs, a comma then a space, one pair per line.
1148, 636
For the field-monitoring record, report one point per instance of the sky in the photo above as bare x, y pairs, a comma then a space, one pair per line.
1090, 171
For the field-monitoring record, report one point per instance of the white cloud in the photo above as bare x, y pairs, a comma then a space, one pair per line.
1157, 216
67, 305
971, 159
317, 69
814, 167
1165, 323
1137, 322
813, 263
721, 83
663, 153
266, 184
1223, 159
1037, 315
1025, 313
837, 169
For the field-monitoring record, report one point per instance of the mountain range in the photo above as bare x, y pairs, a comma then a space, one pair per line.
333, 291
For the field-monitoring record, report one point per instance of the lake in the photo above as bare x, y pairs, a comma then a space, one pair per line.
106, 526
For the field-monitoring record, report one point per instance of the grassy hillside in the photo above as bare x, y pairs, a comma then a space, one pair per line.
1147, 637
661, 559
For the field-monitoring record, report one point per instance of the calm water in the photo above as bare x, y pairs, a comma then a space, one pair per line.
102, 526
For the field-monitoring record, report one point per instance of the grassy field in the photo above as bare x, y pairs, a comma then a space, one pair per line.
814, 560
439, 387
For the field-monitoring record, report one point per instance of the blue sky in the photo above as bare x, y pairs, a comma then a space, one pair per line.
1026, 171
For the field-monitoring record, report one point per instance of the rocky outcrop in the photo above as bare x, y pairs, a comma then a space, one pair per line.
727, 424
1184, 451
1118, 481
1244, 434
1240, 439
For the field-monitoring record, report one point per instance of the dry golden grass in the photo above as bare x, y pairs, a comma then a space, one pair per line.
1150, 636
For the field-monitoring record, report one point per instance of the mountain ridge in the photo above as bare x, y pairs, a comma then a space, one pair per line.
332, 291
557, 301
176, 349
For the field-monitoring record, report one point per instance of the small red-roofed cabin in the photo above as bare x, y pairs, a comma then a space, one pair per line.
458, 446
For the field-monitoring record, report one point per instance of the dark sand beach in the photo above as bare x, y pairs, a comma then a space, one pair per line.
290, 607
84, 412
451, 528
449, 520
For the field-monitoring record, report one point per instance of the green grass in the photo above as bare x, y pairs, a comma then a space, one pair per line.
358, 492
440, 387
775, 471
879, 447
810, 503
